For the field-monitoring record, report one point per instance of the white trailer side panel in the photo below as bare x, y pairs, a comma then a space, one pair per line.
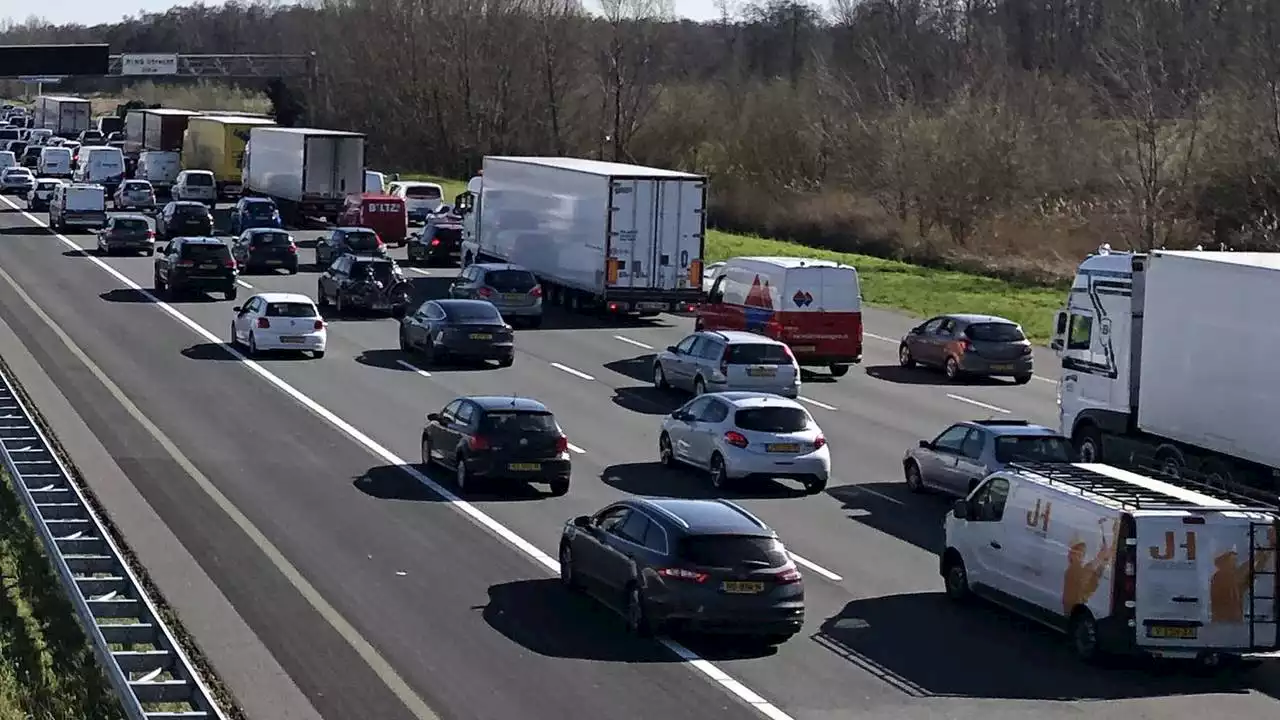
1210, 345
656, 231
274, 163
320, 178
350, 166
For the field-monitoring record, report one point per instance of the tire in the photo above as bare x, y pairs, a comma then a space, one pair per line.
253, 346
157, 284
1022, 379
234, 342
637, 614
430, 356
151, 252
1088, 444
317, 354
462, 475
956, 581
568, 577
559, 488
426, 452
1082, 633
699, 387
839, 370
1171, 464
952, 369
904, 357
404, 343
666, 456
507, 362
230, 293
815, 485
718, 473
535, 323
660, 377
913, 478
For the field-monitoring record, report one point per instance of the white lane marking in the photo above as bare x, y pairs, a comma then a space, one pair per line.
244, 284
880, 495
413, 368
366, 650
571, 371
816, 568
822, 405
575, 448
420, 271
628, 340
895, 341
978, 403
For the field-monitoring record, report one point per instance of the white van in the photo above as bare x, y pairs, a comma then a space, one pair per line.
38, 136
78, 205
1121, 562
420, 198
159, 168
7, 159
101, 165
196, 186
55, 162
374, 182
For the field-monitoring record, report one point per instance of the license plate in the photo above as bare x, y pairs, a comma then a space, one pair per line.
481, 336
274, 262
803, 348
742, 588
512, 297
782, 447
291, 339
524, 467
1169, 632
762, 371
208, 267
999, 368
651, 306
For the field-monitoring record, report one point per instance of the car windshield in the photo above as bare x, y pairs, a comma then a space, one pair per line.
730, 551
471, 312
362, 241
995, 332
521, 281
1033, 448
772, 419
205, 253
511, 422
757, 354
274, 239
382, 272
200, 180
132, 225
260, 210
291, 310
422, 192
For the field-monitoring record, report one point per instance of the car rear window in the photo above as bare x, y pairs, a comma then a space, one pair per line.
191, 211
260, 210
291, 310
729, 551
772, 419
199, 179
269, 239
208, 252
1033, 448
422, 193
137, 186
510, 280
518, 421
381, 271
448, 234
471, 312
362, 241
995, 332
132, 225
757, 354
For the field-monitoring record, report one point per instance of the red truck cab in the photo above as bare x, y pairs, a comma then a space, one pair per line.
384, 214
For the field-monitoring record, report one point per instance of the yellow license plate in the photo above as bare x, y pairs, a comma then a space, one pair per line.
762, 371
782, 448
524, 467
742, 588
512, 297
1168, 632
481, 336
803, 348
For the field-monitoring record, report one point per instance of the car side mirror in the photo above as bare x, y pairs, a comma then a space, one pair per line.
926, 444
433, 417
237, 309
673, 349
681, 415
582, 521
960, 510
1056, 345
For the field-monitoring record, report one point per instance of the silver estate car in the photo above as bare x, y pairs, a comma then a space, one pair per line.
962, 455
715, 361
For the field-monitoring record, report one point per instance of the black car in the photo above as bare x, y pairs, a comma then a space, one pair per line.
265, 249
439, 242
130, 233
340, 241
364, 282
184, 218
460, 329
498, 438
193, 264
31, 157
703, 565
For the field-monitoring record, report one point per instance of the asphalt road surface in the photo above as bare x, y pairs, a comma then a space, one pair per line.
455, 604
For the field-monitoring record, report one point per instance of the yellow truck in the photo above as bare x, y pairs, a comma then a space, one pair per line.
216, 142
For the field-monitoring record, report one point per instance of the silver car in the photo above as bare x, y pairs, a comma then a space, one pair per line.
41, 193
513, 289
962, 455
739, 435
16, 181
714, 361
135, 194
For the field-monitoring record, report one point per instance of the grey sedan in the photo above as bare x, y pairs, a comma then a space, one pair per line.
962, 455
969, 345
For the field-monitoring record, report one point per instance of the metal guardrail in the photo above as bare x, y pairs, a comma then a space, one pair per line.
152, 676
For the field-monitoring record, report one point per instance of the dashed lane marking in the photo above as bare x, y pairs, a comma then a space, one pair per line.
571, 371
978, 403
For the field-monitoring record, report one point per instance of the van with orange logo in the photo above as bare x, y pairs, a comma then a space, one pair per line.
1120, 562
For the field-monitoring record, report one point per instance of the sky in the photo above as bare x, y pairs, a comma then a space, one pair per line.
93, 12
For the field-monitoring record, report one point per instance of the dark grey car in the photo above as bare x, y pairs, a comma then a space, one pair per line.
129, 233
969, 345
512, 289
706, 565
461, 329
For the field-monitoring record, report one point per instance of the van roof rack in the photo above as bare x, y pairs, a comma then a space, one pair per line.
1135, 497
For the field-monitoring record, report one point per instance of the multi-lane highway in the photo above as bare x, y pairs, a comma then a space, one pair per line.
284, 478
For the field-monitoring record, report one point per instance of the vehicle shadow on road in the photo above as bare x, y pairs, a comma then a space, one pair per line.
391, 482
126, 295
647, 400
639, 367
25, 230
652, 480
925, 376
926, 646
209, 351
78, 253
913, 518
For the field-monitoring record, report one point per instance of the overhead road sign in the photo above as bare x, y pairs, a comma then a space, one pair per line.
54, 60
221, 66
149, 64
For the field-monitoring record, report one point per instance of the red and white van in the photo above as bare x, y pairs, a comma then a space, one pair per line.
814, 306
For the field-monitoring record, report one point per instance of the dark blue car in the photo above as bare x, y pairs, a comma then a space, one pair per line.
250, 213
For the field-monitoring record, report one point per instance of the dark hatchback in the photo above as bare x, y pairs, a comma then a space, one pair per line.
266, 249
703, 565
965, 345
193, 264
461, 329
130, 233
184, 218
492, 438
439, 242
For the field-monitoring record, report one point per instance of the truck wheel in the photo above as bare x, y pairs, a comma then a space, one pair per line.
1088, 444
1169, 462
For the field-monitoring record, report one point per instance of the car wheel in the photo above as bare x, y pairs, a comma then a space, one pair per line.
719, 473
915, 483
426, 452
317, 354
665, 454
507, 362
462, 475
559, 487
839, 370
535, 322
1088, 444
321, 299
904, 357
229, 293
151, 252
815, 485
568, 577
637, 614
253, 346
1022, 379
1084, 636
952, 369
699, 387
956, 580
337, 302
404, 342
156, 282
659, 377
235, 343
775, 638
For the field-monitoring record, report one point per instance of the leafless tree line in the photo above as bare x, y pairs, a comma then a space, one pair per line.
1007, 134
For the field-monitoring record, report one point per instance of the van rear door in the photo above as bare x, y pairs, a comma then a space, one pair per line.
822, 313
656, 232
1206, 580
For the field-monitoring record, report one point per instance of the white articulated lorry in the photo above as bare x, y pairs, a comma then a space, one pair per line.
1169, 361
600, 236
308, 172
66, 116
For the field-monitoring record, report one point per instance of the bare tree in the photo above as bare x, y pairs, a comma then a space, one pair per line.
629, 64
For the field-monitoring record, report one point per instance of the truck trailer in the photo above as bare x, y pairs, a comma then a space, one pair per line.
66, 116
155, 130
308, 172
217, 143
601, 237
1168, 363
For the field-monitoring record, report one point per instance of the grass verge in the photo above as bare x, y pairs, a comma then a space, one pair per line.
891, 284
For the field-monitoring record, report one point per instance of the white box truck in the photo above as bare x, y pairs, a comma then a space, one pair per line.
308, 172
1169, 363
600, 236
66, 116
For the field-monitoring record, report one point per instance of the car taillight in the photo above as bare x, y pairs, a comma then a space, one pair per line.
319, 325
790, 355
819, 442
151, 234
682, 574
379, 239
484, 292
790, 575
293, 249
1026, 349
435, 242
735, 439
536, 291
229, 263
966, 345
690, 307
562, 444
477, 442
263, 323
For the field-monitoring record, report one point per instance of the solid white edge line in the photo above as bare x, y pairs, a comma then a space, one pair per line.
882, 338
244, 284
571, 371
629, 341
420, 271
708, 669
978, 403
822, 405
413, 368
816, 568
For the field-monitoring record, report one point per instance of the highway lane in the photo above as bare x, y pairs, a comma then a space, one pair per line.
875, 636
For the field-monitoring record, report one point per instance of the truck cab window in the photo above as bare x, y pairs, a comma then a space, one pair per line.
1081, 333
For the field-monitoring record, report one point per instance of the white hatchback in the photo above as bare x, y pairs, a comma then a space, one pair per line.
279, 321
741, 435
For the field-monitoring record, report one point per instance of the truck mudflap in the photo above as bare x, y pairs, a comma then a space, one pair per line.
650, 300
